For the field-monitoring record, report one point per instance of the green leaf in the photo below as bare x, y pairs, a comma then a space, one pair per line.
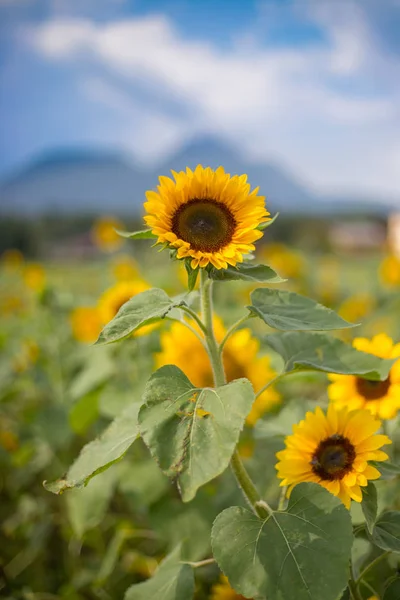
173, 580
392, 592
144, 234
99, 455
291, 312
246, 272
87, 506
300, 554
369, 505
387, 470
281, 425
325, 353
142, 309
267, 224
192, 432
192, 275
386, 533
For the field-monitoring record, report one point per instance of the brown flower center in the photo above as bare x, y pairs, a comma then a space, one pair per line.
372, 390
333, 458
207, 225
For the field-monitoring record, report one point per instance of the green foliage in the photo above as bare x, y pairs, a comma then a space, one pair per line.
388, 470
392, 592
99, 455
192, 275
142, 309
301, 553
246, 272
173, 581
291, 312
386, 532
144, 234
369, 505
192, 432
319, 352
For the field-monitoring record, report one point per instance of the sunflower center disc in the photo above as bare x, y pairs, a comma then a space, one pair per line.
372, 390
205, 224
333, 458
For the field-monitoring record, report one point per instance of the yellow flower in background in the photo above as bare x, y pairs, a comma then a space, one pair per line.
125, 268
208, 216
381, 398
389, 271
86, 323
333, 450
12, 259
34, 276
356, 307
104, 234
180, 347
287, 262
223, 591
10, 305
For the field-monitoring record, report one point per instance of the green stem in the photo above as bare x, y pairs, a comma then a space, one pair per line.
353, 590
207, 315
194, 316
269, 383
231, 330
247, 486
371, 565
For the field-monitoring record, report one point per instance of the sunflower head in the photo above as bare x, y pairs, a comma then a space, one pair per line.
206, 216
85, 323
333, 450
104, 234
381, 398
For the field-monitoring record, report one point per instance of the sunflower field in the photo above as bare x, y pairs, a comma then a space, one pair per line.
216, 421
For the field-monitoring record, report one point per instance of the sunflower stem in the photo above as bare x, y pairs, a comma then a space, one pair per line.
371, 565
260, 508
354, 590
195, 317
269, 383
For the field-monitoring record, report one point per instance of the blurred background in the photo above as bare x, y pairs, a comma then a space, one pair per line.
98, 98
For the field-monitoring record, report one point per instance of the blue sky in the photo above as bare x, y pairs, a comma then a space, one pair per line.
311, 84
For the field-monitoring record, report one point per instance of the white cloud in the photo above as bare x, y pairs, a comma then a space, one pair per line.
288, 103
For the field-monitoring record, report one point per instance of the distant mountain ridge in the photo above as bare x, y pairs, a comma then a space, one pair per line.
87, 181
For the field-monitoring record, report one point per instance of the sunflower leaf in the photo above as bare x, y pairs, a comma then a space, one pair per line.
386, 532
101, 453
320, 352
142, 309
289, 311
192, 275
144, 234
267, 224
369, 505
392, 592
302, 553
246, 272
173, 580
192, 432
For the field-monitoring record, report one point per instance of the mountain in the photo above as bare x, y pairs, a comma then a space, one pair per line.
69, 181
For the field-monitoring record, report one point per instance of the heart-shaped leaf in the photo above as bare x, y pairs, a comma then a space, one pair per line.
291, 312
192, 432
302, 350
246, 272
300, 554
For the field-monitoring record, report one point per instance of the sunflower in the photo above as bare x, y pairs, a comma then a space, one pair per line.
124, 268
381, 398
289, 263
208, 216
389, 270
85, 323
104, 234
356, 307
223, 591
34, 277
179, 346
333, 450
